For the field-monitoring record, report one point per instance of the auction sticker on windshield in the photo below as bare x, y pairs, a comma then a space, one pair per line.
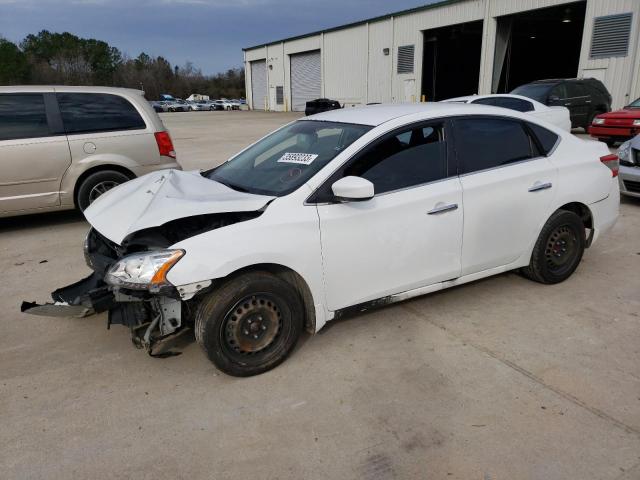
298, 158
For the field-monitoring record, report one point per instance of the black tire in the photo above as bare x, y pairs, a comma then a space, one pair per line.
96, 184
558, 250
250, 324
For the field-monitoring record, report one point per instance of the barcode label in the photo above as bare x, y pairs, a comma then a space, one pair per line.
298, 158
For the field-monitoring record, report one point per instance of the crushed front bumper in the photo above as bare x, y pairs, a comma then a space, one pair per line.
153, 318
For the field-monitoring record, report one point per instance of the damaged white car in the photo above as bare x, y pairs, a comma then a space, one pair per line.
336, 213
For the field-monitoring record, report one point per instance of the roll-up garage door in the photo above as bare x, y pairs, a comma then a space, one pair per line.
305, 79
259, 84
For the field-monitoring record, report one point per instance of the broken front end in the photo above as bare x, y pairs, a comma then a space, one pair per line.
130, 282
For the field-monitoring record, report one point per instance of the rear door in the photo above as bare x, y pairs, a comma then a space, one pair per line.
507, 187
408, 235
34, 153
580, 101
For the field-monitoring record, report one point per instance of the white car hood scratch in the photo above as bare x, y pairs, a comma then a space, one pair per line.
159, 197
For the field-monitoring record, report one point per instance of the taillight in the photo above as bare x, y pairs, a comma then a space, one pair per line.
165, 145
612, 162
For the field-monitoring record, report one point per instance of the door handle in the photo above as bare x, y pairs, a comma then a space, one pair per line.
441, 208
536, 187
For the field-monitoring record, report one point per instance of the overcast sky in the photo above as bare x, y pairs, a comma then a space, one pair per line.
210, 33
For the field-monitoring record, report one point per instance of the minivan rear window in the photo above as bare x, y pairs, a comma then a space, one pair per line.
97, 112
22, 116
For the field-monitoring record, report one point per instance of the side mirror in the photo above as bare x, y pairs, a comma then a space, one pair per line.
352, 189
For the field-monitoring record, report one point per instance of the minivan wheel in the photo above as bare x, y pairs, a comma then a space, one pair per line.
249, 324
97, 184
558, 250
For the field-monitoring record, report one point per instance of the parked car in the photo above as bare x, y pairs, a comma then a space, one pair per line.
558, 116
320, 105
585, 98
337, 213
617, 126
629, 154
223, 104
63, 147
178, 105
200, 105
158, 107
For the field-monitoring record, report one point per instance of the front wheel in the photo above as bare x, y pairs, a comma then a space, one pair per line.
250, 324
558, 250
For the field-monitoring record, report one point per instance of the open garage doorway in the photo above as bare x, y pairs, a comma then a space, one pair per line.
451, 61
538, 44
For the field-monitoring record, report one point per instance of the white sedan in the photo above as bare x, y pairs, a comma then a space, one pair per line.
559, 116
337, 212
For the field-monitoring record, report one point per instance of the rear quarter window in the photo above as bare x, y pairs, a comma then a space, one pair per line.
547, 140
97, 112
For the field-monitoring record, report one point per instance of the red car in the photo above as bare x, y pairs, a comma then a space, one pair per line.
617, 126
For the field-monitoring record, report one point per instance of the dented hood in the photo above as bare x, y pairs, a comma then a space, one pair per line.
159, 197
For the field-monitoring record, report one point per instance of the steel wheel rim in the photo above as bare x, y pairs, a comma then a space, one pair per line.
252, 326
101, 188
561, 248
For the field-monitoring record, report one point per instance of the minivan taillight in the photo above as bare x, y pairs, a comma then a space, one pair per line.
612, 162
165, 145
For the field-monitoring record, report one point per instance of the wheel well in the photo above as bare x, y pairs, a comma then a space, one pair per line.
294, 279
585, 215
99, 168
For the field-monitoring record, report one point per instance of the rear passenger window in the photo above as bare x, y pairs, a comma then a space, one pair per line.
404, 159
546, 138
22, 116
513, 104
97, 112
484, 142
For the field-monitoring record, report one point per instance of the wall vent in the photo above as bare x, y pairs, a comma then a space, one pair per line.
611, 36
279, 95
405, 58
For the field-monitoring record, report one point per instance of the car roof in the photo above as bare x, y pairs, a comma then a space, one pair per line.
68, 88
375, 115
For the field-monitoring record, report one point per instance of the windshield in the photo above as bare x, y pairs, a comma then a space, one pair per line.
635, 103
286, 159
537, 91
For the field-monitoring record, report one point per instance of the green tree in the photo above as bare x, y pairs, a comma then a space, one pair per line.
14, 67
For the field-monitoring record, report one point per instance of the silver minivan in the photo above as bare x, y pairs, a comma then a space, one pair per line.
62, 147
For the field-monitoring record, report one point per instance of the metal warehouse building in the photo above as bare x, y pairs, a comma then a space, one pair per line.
451, 48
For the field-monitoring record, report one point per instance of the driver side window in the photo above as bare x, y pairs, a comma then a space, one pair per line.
403, 159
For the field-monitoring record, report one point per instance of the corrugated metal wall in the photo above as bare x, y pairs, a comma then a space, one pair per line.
345, 65
356, 71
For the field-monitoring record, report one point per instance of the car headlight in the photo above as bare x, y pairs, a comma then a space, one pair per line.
598, 121
636, 122
624, 152
144, 270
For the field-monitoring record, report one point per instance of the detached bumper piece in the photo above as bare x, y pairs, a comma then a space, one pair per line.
81, 299
153, 320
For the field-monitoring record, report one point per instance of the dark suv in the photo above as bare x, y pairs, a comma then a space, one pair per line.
320, 105
585, 98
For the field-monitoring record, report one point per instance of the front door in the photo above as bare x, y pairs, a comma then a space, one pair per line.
508, 187
32, 158
408, 235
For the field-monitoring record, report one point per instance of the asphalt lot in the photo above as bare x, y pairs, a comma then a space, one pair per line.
499, 379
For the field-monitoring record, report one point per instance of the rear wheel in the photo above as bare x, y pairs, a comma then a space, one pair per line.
250, 324
558, 250
97, 184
